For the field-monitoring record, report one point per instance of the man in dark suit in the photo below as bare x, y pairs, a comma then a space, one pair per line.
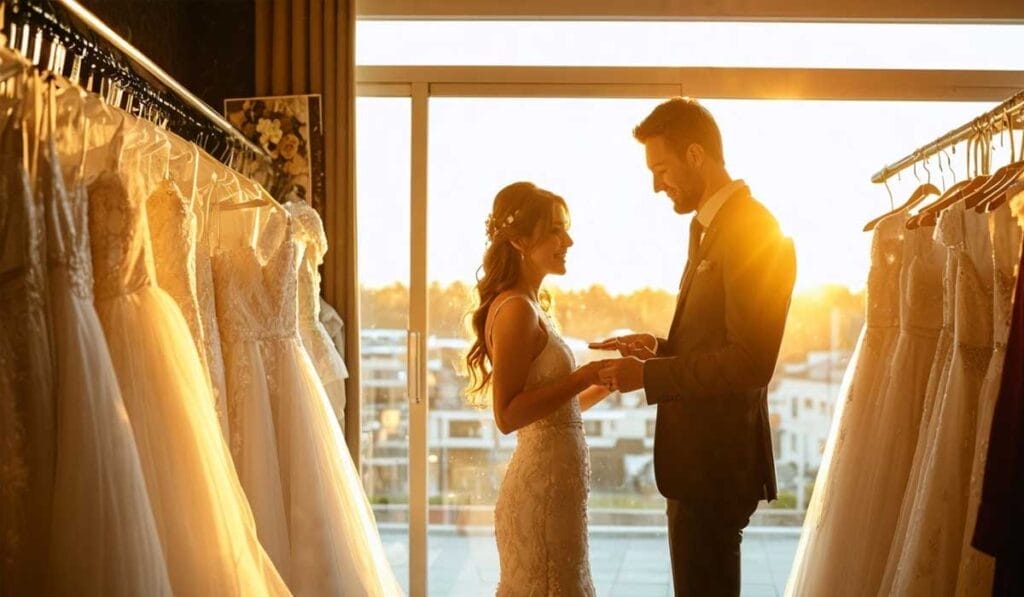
709, 376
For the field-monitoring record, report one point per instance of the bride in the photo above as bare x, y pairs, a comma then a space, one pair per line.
536, 389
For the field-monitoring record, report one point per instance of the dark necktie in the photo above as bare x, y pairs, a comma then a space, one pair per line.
696, 231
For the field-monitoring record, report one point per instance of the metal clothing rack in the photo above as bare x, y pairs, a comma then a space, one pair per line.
989, 123
114, 64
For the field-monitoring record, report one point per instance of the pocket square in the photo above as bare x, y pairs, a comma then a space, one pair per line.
705, 266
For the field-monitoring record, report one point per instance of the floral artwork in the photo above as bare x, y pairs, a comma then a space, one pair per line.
289, 128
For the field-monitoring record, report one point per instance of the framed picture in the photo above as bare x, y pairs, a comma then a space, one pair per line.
290, 129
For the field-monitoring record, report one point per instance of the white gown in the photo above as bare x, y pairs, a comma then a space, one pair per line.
928, 562
895, 421
977, 568
206, 527
329, 365
540, 518
104, 538
310, 507
26, 370
835, 507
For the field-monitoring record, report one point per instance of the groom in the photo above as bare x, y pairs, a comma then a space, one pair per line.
709, 377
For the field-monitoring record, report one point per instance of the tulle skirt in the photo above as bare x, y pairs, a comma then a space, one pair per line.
104, 539
328, 364
205, 524
892, 439
332, 543
834, 509
977, 569
928, 562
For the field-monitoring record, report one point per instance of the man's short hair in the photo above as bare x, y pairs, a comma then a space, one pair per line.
681, 121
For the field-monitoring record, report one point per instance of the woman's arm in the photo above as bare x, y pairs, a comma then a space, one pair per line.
592, 395
517, 338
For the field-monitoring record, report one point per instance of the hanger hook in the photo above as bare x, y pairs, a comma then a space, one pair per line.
892, 203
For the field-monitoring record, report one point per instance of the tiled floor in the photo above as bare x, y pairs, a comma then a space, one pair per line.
629, 564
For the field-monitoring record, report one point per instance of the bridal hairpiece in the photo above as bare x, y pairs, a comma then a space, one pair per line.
495, 226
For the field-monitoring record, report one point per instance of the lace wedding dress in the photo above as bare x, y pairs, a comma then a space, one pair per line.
328, 363
977, 568
310, 507
895, 421
104, 538
928, 562
26, 369
540, 518
834, 510
206, 527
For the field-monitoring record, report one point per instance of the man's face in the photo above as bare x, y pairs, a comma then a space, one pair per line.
675, 172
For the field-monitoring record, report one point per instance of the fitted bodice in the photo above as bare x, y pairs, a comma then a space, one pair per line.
554, 362
973, 325
921, 282
883, 297
122, 257
257, 300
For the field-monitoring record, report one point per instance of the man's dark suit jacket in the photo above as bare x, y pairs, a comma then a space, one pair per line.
712, 440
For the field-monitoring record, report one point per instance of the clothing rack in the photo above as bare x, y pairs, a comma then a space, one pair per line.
989, 124
48, 31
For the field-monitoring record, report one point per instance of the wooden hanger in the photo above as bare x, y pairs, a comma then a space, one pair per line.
916, 197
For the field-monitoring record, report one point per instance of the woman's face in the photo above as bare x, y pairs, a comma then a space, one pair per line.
547, 253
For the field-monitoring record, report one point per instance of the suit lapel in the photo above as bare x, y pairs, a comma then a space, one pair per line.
689, 273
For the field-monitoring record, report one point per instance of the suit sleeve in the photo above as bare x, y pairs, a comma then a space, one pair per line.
758, 276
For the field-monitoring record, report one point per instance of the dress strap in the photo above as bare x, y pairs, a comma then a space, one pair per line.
504, 302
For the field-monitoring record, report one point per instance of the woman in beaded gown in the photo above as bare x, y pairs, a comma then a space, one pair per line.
104, 538
895, 421
310, 507
977, 568
835, 507
205, 524
540, 518
928, 562
312, 247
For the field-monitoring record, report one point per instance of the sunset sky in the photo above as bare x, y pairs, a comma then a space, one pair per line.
809, 161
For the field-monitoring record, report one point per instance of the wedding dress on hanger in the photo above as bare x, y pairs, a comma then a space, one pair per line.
948, 234
27, 410
205, 524
976, 568
928, 562
311, 508
210, 186
834, 509
104, 538
312, 247
895, 421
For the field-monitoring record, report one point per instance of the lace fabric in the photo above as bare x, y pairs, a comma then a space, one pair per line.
104, 536
26, 369
541, 512
928, 560
310, 507
328, 363
976, 568
166, 394
833, 513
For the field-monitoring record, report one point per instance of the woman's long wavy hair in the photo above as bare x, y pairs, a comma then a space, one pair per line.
521, 211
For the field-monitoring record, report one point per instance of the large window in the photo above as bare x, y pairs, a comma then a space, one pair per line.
809, 161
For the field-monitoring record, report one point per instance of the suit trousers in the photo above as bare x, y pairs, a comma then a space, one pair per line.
704, 544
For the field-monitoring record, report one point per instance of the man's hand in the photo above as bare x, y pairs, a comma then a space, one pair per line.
625, 374
641, 346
